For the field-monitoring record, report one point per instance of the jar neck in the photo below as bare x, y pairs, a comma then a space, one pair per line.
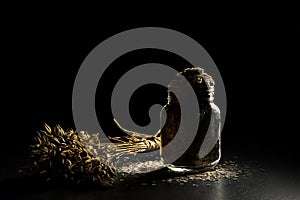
204, 98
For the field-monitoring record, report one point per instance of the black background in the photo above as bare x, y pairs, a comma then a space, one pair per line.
256, 56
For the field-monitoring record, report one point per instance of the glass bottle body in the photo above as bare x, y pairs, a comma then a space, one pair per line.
193, 159
204, 153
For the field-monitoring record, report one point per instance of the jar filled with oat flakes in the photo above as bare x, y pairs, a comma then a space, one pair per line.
193, 159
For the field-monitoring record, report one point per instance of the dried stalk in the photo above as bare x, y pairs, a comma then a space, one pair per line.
137, 142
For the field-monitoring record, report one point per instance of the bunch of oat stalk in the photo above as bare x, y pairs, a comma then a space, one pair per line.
72, 156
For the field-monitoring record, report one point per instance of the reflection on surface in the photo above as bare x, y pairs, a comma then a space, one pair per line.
272, 184
218, 193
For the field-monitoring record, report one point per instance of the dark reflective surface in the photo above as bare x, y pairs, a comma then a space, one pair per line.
274, 182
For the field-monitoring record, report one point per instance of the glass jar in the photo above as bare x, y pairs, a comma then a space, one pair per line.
193, 160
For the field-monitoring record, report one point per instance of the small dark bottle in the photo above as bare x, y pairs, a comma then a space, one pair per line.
209, 122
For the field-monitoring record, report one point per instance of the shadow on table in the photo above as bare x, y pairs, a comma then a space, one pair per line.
24, 185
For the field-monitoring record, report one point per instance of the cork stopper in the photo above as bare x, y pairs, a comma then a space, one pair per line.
202, 83
197, 76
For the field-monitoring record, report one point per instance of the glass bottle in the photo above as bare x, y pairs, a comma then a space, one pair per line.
209, 122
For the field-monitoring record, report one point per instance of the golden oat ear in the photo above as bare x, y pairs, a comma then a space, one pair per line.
47, 127
57, 155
